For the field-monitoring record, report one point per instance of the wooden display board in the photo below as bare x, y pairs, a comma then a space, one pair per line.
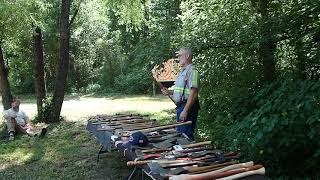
168, 72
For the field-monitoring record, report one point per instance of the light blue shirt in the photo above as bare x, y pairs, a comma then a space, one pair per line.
188, 78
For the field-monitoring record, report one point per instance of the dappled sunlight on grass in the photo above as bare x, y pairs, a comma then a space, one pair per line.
68, 151
18, 156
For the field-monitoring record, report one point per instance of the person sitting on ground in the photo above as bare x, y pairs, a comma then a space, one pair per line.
18, 122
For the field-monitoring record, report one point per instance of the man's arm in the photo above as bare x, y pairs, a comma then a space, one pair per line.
192, 98
165, 91
26, 119
7, 114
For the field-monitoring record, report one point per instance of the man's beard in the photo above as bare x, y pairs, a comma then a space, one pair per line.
16, 109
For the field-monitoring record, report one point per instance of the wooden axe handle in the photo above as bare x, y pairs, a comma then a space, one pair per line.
235, 166
196, 169
139, 163
197, 149
164, 127
216, 174
184, 146
105, 129
196, 144
156, 150
260, 171
161, 87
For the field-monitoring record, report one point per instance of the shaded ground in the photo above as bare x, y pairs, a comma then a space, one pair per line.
69, 151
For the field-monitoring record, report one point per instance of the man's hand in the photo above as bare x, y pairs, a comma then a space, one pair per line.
28, 126
165, 91
183, 115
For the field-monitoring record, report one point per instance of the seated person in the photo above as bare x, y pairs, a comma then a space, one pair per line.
18, 122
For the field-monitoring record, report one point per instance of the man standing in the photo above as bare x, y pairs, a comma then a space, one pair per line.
185, 92
17, 121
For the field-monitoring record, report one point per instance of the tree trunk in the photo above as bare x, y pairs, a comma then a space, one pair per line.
111, 71
63, 64
40, 86
4, 83
267, 45
301, 59
266, 55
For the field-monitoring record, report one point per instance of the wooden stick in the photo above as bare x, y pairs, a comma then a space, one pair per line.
154, 150
215, 174
196, 144
260, 171
193, 169
132, 119
164, 127
164, 161
162, 87
105, 129
182, 151
196, 149
226, 171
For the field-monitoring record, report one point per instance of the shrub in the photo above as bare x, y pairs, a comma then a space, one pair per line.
282, 129
136, 82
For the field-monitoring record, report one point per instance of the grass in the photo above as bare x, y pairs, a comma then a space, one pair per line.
68, 151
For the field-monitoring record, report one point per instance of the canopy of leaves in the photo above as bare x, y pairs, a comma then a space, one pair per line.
114, 45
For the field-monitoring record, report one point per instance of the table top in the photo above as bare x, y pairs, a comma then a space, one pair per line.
110, 123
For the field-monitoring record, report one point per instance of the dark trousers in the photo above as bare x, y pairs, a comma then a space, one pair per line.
192, 116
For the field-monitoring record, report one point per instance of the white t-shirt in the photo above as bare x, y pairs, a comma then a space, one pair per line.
21, 116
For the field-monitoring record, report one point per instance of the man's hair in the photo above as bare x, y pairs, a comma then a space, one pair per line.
187, 51
15, 99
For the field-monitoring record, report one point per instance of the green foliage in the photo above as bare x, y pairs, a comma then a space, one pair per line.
281, 128
114, 43
136, 82
44, 113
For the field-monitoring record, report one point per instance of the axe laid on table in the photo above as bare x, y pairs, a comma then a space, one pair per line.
163, 127
224, 173
146, 130
193, 145
167, 172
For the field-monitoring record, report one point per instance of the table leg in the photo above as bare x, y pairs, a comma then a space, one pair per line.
132, 173
99, 152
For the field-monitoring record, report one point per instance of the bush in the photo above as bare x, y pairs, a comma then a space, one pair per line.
44, 114
136, 82
282, 129
91, 88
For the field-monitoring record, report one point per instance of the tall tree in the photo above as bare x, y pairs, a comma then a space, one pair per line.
4, 83
63, 65
267, 44
39, 77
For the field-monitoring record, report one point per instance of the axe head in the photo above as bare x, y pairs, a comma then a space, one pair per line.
157, 169
165, 144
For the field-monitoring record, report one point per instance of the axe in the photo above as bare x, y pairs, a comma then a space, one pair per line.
183, 146
221, 173
158, 169
164, 127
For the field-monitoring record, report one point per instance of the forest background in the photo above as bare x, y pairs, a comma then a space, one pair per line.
259, 63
